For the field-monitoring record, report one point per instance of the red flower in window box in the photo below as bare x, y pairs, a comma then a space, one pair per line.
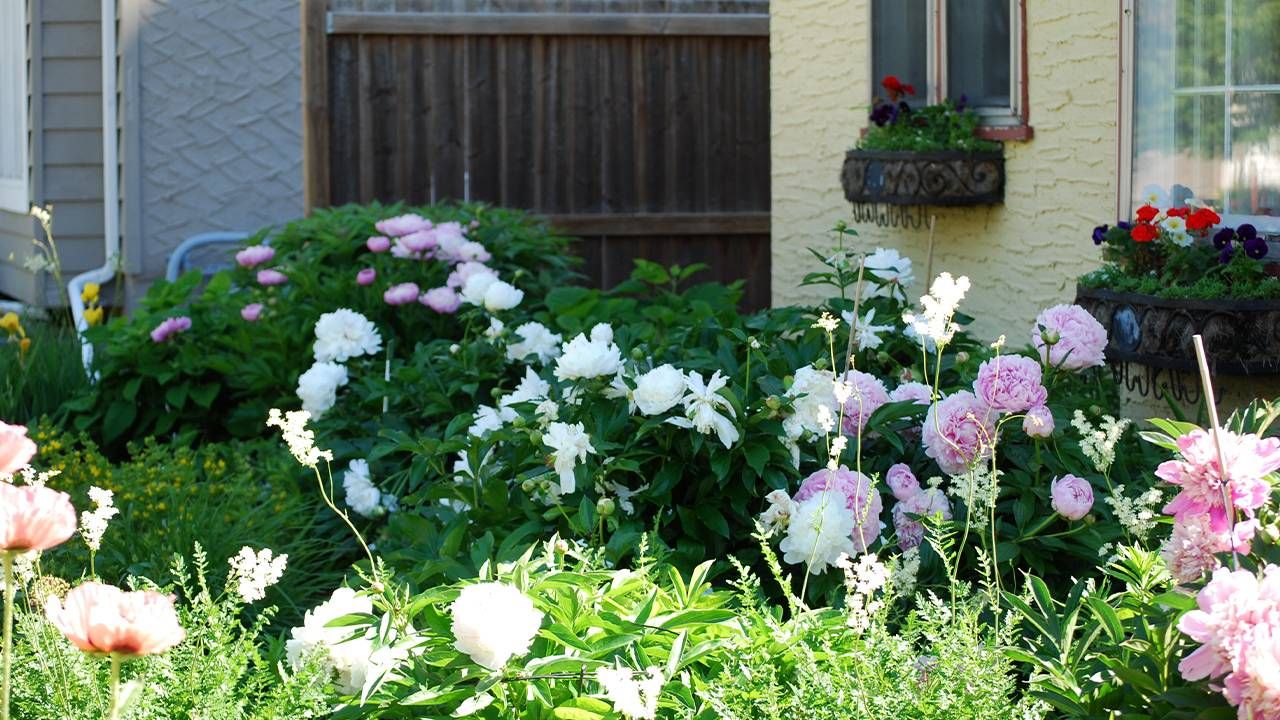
1144, 231
1203, 219
1181, 212
896, 88
1146, 214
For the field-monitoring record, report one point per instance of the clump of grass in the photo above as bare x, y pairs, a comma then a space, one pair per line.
37, 377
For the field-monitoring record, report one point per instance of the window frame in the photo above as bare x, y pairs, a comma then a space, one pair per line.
15, 193
1125, 124
1012, 123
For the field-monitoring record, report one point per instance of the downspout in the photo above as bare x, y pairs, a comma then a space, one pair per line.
110, 184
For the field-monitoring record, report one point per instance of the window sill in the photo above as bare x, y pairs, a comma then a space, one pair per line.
1006, 133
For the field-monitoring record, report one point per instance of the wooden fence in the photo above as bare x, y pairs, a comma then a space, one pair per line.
641, 126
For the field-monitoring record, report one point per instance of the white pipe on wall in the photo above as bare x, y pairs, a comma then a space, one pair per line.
110, 182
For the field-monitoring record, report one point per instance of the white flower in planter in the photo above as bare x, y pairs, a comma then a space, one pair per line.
493, 622
703, 405
318, 387
344, 334
570, 444
659, 390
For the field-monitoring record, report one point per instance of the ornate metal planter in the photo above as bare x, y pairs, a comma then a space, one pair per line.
1242, 337
896, 177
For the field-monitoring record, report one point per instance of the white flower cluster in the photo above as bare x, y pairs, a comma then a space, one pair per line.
93, 523
906, 572
935, 322
30, 476
867, 333
1138, 516
484, 289
301, 441
351, 656
1099, 444
634, 694
892, 271
862, 581
585, 357
778, 515
254, 572
820, 532
361, 494
493, 622
978, 488
812, 395
344, 334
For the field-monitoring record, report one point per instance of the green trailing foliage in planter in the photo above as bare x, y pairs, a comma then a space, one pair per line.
896, 125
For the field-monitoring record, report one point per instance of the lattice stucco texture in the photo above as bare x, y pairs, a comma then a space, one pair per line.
1021, 256
221, 134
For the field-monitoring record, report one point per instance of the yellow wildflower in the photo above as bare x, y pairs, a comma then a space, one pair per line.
24, 345
93, 315
9, 322
89, 294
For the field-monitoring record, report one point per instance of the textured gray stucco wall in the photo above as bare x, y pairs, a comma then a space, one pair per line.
217, 124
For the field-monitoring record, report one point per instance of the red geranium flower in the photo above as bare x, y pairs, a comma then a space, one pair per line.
891, 83
1181, 212
1147, 213
1144, 232
1202, 219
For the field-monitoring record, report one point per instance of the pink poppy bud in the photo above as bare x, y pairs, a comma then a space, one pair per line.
170, 327
1072, 497
255, 255
902, 481
1038, 422
442, 299
378, 244
401, 294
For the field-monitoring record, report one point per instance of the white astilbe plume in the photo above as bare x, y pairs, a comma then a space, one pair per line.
934, 321
1099, 444
93, 523
301, 441
254, 572
632, 693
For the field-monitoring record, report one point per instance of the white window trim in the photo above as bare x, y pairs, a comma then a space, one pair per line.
936, 63
1124, 164
14, 192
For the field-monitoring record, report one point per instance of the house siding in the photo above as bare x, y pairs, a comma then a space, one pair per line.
212, 124
1022, 255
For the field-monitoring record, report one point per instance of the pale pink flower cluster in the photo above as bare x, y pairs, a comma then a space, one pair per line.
255, 255
1199, 476
1237, 623
917, 392
866, 394
1067, 336
913, 503
414, 237
170, 327
860, 499
958, 432
1190, 552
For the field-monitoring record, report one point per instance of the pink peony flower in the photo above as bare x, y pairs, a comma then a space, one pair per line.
1038, 422
442, 299
926, 503
402, 225
867, 397
418, 242
1227, 610
401, 294
33, 517
16, 449
255, 255
378, 244
920, 393
902, 481
1081, 339
465, 271
1189, 552
251, 312
1250, 458
958, 432
1010, 384
366, 276
170, 327
272, 277
859, 495
101, 618
1071, 496
1254, 684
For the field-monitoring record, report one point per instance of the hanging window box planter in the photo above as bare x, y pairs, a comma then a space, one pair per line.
937, 177
1241, 337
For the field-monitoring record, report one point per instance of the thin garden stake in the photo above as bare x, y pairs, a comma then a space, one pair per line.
928, 263
1206, 384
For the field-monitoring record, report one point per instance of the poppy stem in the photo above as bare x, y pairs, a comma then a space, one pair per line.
6, 557
114, 713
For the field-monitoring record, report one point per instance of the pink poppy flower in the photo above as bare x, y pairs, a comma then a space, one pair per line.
255, 255
925, 503
366, 276
867, 397
170, 327
401, 294
1079, 339
251, 312
33, 517
272, 277
16, 449
100, 618
902, 481
1038, 423
1071, 496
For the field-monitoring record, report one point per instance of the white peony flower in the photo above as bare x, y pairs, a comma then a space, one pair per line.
868, 337
318, 387
344, 334
493, 622
633, 694
583, 358
820, 531
495, 329
346, 655
547, 411
812, 391
501, 295
360, 492
531, 389
658, 390
892, 269
537, 340
489, 418
474, 289
602, 333
254, 572
570, 444
704, 406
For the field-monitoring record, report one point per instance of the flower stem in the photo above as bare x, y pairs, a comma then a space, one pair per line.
114, 713
6, 558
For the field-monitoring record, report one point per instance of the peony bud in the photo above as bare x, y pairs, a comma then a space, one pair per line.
605, 506
1072, 497
773, 402
1050, 336
962, 357
883, 357
527, 486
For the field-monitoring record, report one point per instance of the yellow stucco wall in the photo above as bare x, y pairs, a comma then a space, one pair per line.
1022, 255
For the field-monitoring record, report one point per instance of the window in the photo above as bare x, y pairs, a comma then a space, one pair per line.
957, 48
1205, 111
13, 105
